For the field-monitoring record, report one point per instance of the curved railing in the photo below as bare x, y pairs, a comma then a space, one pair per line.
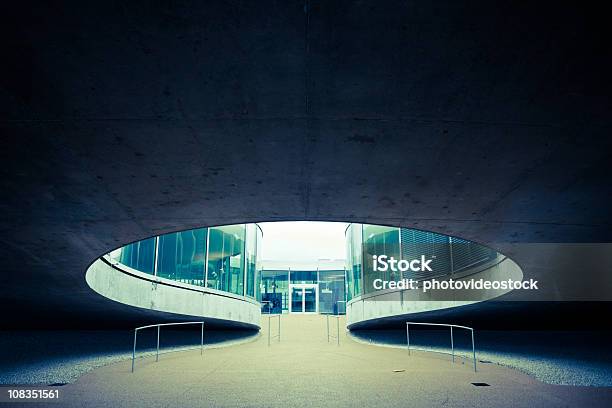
158, 331
452, 341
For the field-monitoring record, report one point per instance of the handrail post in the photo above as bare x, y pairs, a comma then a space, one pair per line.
471, 329
452, 344
158, 335
327, 318
473, 350
270, 337
134, 350
338, 329
157, 356
408, 336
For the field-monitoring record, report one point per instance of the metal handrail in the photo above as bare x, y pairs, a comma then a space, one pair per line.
451, 336
279, 328
158, 330
331, 336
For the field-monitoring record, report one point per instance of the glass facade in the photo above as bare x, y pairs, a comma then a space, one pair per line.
303, 276
354, 239
251, 248
139, 255
378, 239
332, 292
449, 255
223, 258
275, 291
307, 291
181, 256
227, 258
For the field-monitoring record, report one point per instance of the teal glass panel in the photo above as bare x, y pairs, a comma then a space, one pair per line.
348, 263
331, 292
226, 258
250, 252
303, 276
310, 300
379, 240
258, 271
274, 291
181, 256
356, 258
139, 255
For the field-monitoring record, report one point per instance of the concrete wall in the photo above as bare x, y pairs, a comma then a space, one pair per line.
134, 288
481, 120
392, 304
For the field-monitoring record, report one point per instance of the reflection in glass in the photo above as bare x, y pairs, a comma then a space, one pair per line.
303, 276
356, 257
258, 271
181, 256
449, 255
331, 292
140, 255
225, 258
348, 263
310, 300
232, 255
250, 253
274, 291
296, 300
377, 240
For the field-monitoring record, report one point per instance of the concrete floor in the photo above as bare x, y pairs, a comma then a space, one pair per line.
305, 370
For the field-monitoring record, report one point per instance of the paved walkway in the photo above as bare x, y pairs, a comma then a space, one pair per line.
304, 370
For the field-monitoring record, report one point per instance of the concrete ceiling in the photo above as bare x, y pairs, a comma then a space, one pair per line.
488, 120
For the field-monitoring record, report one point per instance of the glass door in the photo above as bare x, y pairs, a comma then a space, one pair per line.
304, 298
297, 299
310, 300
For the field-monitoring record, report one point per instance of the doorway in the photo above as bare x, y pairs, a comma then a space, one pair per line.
304, 298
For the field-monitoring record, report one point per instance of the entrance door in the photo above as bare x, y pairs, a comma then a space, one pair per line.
304, 298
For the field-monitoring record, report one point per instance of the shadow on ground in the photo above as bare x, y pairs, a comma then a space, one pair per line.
48, 357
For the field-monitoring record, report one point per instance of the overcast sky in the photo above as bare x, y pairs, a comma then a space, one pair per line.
303, 241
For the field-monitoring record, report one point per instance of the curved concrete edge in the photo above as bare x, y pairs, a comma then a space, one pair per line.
359, 311
149, 293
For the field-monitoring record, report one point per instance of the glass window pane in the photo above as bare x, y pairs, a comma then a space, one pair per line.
331, 292
349, 262
181, 256
258, 264
274, 289
379, 240
140, 255
226, 258
251, 258
303, 276
310, 300
297, 300
356, 252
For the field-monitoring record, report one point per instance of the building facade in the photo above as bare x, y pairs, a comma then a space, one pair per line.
225, 262
221, 258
